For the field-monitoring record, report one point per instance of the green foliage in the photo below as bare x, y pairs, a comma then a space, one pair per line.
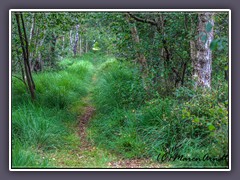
219, 44
118, 86
196, 122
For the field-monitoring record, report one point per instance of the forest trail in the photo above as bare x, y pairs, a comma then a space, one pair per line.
116, 163
111, 160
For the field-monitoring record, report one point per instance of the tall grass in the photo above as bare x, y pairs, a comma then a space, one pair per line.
44, 125
118, 86
190, 123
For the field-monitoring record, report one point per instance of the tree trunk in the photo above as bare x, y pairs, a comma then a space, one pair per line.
71, 40
193, 54
32, 33
80, 45
38, 66
86, 48
32, 28
52, 49
76, 41
24, 45
203, 65
140, 56
63, 43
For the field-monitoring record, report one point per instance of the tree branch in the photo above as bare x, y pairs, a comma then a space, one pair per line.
149, 21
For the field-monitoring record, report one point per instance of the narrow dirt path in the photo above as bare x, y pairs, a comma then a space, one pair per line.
136, 163
116, 162
83, 122
120, 163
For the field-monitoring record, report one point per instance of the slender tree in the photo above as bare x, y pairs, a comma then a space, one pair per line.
76, 41
140, 56
25, 52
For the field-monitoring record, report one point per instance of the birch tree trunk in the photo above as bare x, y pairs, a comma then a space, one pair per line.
32, 34
71, 40
76, 41
203, 65
39, 65
80, 45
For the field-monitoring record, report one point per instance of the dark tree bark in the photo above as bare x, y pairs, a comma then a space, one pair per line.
226, 75
24, 45
52, 49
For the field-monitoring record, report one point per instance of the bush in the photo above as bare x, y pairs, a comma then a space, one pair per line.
193, 128
198, 126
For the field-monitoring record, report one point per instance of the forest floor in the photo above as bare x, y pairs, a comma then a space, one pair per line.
86, 155
114, 161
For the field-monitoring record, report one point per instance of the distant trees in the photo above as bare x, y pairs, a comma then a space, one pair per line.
171, 49
199, 51
171, 73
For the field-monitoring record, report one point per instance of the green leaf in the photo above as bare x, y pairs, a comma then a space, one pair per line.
214, 44
196, 120
220, 45
204, 38
211, 127
208, 27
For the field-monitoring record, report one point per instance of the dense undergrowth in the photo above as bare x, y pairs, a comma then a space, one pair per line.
192, 123
129, 123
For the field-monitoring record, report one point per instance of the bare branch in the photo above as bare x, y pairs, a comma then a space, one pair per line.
149, 21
